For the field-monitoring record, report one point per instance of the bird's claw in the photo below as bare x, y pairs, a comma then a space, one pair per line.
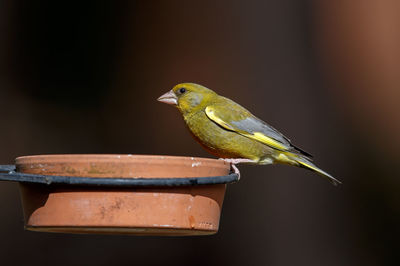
233, 163
235, 170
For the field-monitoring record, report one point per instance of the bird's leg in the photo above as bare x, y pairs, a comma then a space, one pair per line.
235, 161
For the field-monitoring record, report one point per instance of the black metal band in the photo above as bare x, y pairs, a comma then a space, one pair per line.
8, 173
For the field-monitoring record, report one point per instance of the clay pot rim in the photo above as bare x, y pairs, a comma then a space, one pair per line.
137, 167
108, 157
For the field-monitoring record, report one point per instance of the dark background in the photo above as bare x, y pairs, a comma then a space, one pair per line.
82, 77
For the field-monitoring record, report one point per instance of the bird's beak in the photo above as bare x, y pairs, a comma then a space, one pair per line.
168, 98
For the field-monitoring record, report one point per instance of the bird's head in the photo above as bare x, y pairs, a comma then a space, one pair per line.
187, 97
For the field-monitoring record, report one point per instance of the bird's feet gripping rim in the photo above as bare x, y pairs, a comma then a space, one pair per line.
235, 161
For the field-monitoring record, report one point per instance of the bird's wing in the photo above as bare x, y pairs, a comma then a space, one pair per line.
234, 117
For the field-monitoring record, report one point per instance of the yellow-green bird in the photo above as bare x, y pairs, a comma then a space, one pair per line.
229, 131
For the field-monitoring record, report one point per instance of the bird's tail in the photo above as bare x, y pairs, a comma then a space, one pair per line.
300, 161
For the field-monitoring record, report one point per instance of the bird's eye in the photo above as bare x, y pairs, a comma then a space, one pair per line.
182, 90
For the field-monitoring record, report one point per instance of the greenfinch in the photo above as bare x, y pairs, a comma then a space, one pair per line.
230, 132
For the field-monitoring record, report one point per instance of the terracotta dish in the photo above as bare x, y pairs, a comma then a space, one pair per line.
124, 209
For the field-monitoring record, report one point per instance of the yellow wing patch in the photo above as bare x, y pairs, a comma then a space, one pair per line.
210, 113
267, 140
256, 135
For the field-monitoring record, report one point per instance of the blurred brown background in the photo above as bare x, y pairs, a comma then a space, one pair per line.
80, 77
